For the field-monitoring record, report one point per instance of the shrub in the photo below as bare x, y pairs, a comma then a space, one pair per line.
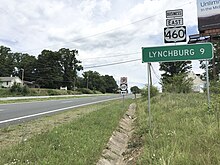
52, 92
215, 87
19, 90
85, 91
153, 91
178, 84
16, 88
25, 90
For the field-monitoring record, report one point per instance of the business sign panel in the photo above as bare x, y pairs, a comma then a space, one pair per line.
174, 13
177, 53
208, 14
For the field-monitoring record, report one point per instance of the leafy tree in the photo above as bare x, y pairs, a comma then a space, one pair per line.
135, 90
6, 62
70, 65
110, 84
55, 69
172, 69
94, 81
49, 70
214, 64
28, 64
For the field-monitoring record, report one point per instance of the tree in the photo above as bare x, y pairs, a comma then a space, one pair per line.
94, 81
27, 64
110, 84
135, 90
55, 69
6, 62
172, 69
49, 70
214, 64
70, 66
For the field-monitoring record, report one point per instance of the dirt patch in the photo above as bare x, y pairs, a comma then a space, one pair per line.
117, 147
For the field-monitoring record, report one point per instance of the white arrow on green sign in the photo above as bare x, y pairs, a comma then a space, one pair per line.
177, 53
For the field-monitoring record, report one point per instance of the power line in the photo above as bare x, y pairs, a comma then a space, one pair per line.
107, 31
117, 55
102, 65
110, 64
156, 75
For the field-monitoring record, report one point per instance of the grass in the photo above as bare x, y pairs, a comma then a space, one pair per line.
183, 131
39, 99
79, 141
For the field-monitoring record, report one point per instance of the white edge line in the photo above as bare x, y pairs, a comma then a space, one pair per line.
56, 110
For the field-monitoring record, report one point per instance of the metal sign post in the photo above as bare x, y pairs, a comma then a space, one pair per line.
149, 111
207, 84
123, 93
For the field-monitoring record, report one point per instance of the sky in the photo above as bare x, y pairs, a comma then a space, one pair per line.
105, 32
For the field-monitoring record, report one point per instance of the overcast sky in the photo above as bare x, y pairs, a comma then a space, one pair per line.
104, 31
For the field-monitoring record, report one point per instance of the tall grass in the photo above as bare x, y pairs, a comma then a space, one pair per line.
183, 131
78, 142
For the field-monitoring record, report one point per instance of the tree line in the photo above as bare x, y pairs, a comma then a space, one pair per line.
53, 69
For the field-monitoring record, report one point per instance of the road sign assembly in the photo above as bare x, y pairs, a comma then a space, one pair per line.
174, 32
124, 83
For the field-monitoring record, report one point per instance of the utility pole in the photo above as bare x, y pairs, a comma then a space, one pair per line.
22, 76
87, 83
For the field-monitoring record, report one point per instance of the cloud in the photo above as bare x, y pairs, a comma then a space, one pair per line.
94, 27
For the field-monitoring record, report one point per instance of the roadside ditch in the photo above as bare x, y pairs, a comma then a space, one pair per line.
117, 150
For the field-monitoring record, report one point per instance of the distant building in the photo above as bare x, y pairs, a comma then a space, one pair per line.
63, 88
7, 82
198, 84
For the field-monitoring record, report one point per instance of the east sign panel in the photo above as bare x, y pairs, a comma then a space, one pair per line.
177, 53
208, 14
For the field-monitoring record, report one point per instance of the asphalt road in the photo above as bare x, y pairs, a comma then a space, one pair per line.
20, 112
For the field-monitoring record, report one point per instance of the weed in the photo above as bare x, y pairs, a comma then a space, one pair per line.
78, 142
183, 132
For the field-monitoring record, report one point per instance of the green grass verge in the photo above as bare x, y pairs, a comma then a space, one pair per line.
78, 142
183, 131
39, 99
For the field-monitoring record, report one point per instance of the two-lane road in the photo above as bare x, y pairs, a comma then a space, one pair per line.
18, 112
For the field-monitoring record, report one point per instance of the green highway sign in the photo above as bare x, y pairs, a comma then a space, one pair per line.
177, 53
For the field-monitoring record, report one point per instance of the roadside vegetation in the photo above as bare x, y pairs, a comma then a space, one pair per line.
77, 141
183, 130
17, 90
